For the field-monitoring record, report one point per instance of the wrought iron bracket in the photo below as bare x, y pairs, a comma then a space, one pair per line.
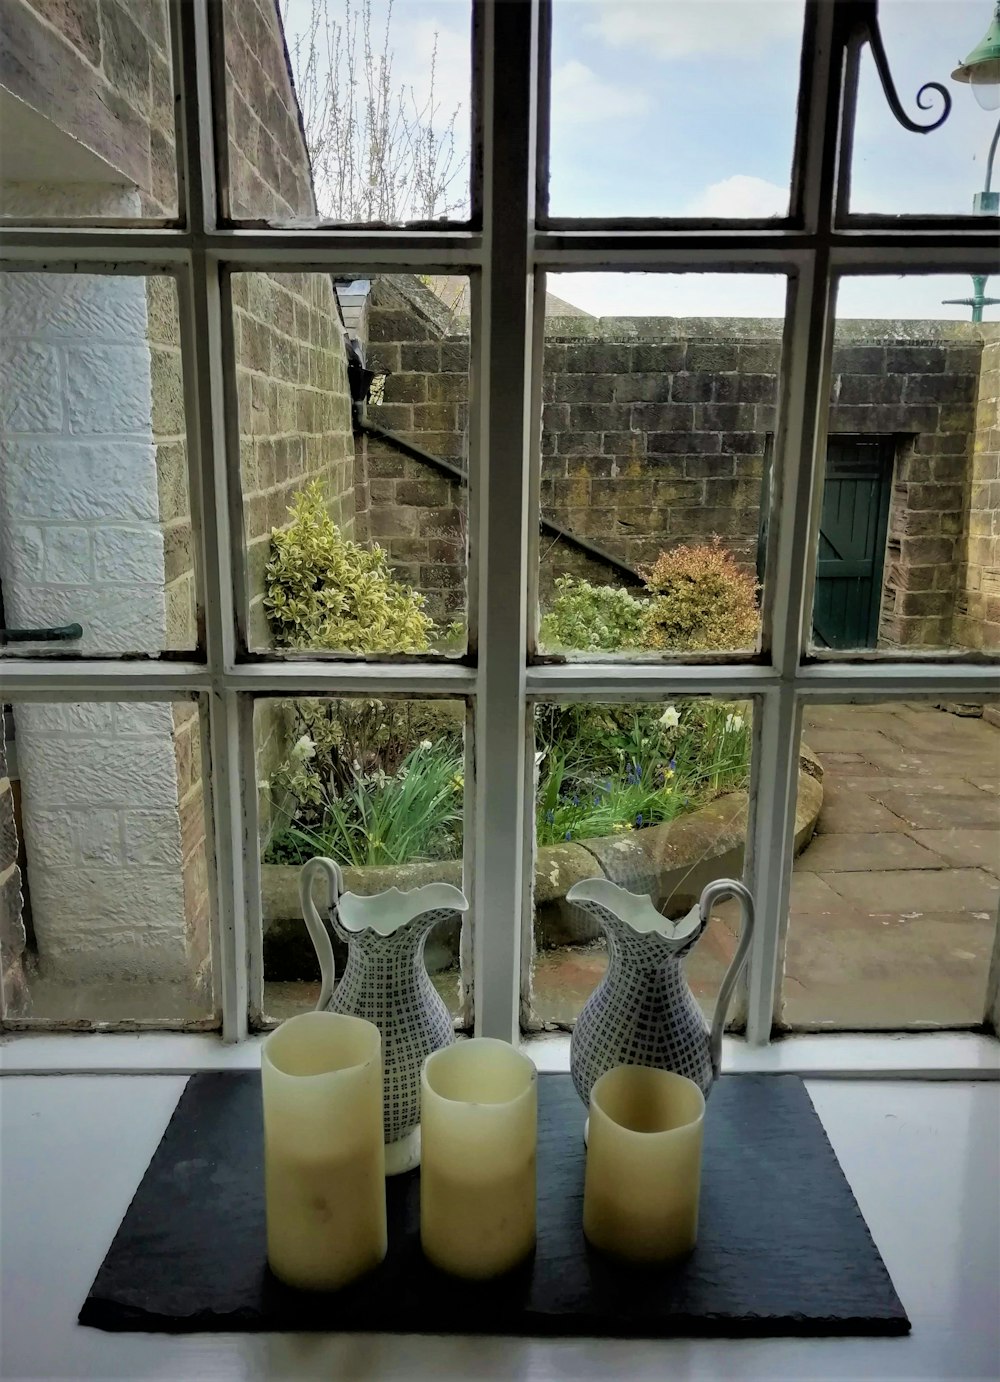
861, 20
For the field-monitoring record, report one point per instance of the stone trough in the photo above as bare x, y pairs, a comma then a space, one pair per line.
672, 862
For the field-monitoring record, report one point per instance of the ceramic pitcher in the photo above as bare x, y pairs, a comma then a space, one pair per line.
643, 1012
386, 982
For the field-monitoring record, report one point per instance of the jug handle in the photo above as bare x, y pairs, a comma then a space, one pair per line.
715, 892
318, 933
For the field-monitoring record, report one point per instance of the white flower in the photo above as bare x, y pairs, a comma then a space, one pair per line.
539, 757
670, 718
734, 723
426, 744
302, 750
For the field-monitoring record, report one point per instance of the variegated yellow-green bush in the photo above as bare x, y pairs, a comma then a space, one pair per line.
701, 600
324, 591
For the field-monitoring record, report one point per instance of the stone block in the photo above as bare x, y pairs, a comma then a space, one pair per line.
30, 390
916, 359
692, 388
577, 443
858, 359
430, 493
663, 417
77, 23
108, 389
125, 55
167, 387
434, 417
757, 388
447, 388
642, 388
712, 357
67, 554
405, 388
663, 357
684, 443
629, 445
940, 388
99, 836
867, 388
128, 554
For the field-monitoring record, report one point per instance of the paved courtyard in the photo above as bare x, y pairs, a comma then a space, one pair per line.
894, 902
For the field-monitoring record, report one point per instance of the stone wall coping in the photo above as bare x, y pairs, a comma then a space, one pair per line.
660, 857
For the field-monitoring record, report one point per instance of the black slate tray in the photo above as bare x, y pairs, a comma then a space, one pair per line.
782, 1247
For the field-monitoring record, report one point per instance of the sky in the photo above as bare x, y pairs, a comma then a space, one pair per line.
687, 107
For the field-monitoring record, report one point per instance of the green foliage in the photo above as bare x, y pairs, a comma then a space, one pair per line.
701, 601
592, 618
414, 814
606, 769
696, 599
324, 591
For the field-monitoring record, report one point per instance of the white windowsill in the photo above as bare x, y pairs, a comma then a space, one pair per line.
911, 1055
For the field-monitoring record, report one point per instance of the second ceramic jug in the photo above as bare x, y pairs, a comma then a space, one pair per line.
386, 982
643, 1012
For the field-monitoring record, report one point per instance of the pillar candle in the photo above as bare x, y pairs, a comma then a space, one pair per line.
324, 1160
479, 1116
643, 1164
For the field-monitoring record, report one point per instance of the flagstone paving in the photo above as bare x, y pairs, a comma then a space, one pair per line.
894, 902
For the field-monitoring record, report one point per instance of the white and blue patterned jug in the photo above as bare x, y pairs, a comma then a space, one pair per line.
386, 982
643, 1012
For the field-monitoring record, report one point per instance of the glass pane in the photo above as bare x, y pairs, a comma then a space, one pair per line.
909, 542
377, 786
894, 171
661, 392
104, 895
87, 111
653, 797
95, 510
894, 901
673, 107
356, 112
355, 541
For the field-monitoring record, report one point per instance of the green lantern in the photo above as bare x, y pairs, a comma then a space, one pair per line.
981, 69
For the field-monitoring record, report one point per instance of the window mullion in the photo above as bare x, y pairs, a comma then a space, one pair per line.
509, 117
201, 306
802, 412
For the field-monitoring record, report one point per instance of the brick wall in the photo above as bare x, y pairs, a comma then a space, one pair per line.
978, 623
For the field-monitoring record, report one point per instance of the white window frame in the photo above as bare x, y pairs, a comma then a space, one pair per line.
505, 252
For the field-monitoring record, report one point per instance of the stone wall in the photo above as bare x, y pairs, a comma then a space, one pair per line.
14, 999
100, 71
415, 512
978, 623
656, 432
269, 173
295, 411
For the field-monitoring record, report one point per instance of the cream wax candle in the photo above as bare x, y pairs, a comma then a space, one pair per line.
643, 1164
479, 1115
324, 1160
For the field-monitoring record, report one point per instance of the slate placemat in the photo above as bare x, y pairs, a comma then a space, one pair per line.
782, 1247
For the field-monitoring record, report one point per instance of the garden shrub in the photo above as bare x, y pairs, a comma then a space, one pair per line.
701, 600
593, 618
325, 591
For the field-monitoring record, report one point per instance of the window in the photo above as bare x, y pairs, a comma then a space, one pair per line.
490, 434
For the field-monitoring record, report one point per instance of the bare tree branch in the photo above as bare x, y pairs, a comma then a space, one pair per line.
379, 152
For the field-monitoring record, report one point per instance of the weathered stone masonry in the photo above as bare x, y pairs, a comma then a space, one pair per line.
656, 432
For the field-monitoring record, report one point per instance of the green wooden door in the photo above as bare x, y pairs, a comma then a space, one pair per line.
852, 542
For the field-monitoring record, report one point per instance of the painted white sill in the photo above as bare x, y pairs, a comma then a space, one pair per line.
910, 1055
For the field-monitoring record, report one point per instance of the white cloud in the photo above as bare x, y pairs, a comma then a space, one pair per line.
740, 195
694, 28
580, 96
